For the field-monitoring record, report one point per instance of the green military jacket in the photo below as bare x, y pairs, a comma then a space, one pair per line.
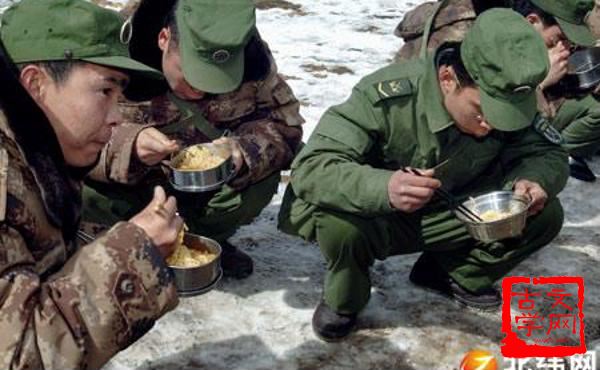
394, 118
578, 121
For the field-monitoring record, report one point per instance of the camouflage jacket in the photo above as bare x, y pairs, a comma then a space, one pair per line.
63, 306
262, 116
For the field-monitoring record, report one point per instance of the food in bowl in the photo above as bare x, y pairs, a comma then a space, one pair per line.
198, 158
185, 257
493, 215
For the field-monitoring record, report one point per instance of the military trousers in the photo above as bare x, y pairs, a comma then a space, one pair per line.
351, 244
216, 214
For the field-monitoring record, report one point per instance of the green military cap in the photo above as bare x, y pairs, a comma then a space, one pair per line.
212, 38
570, 15
57, 30
507, 59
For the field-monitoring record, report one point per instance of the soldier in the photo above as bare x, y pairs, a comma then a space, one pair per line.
221, 79
472, 105
562, 25
63, 306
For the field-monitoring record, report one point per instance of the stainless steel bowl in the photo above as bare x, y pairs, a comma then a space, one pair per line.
583, 71
500, 201
196, 181
198, 280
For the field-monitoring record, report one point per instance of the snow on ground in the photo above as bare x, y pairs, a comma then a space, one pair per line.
324, 47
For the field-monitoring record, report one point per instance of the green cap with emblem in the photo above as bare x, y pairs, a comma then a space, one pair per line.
212, 38
507, 59
571, 16
58, 30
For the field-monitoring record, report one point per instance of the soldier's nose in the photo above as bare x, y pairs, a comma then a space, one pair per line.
486, 126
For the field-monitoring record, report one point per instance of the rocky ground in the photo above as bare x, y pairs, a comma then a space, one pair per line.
323, 48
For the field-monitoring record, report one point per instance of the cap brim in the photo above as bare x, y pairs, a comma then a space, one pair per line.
144, 82
505, 115
212, 78
577, 33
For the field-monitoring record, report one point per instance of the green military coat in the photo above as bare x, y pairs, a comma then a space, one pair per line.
395, 117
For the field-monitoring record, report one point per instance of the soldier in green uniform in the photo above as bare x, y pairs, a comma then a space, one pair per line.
562, 25
66, 305
222, 80
471, 104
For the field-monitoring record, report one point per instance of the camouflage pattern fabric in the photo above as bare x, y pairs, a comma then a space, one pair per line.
262, 116
63, 306
451, 23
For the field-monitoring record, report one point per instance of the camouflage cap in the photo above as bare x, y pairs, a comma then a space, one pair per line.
507, 59
212, 38
56, 30
571, 16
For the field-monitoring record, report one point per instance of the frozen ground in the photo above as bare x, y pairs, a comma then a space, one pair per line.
263, 322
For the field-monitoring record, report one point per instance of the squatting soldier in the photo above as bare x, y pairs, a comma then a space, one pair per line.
63, 306
562, 25
221, 79
471, 104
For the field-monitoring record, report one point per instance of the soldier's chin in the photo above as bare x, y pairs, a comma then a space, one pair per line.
82, 159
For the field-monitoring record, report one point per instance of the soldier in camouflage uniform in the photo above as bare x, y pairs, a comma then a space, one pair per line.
66, 306
577, 118
222, 79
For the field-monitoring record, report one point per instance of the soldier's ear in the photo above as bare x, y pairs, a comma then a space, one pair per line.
535, 21
164, 38
447, 79
33, 78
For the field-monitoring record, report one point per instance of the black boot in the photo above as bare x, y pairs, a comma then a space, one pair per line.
579, 169
235, 263
428, 274
331, 326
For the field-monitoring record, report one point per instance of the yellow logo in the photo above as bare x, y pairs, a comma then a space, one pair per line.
479, 360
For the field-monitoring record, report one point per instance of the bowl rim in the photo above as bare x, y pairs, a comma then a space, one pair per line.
521, 198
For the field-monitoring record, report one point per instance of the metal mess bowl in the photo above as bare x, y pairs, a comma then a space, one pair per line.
499, 201
196, 181
193, 281
584, 68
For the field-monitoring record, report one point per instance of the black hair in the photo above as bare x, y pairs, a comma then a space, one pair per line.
448, 54
482, 5
59, 70
526, 7
170, 22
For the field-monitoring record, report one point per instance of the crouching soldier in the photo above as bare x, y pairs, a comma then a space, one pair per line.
472, 105
221, 79
63, 306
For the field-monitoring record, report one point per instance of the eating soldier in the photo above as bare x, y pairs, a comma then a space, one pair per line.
468, 109
223, 87
66, 305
